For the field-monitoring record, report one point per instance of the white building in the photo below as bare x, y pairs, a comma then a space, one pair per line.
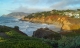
70, 14
76, 15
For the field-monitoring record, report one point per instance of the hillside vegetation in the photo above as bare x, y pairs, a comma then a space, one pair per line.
13, 38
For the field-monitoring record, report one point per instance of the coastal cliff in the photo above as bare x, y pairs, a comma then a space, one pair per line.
66, 23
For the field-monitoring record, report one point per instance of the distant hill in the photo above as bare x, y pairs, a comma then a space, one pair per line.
16, 14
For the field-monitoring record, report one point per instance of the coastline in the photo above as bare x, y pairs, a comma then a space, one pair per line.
63, 22
57, 27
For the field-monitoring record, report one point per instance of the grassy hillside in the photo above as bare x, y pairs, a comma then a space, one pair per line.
12, 38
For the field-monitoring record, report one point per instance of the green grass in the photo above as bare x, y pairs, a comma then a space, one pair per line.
18, 40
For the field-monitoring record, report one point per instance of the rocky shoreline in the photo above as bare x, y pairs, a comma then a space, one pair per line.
63, 22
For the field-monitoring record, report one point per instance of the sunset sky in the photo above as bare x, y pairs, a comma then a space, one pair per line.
30, 6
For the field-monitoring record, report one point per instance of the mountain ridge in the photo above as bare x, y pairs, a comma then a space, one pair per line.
16, 14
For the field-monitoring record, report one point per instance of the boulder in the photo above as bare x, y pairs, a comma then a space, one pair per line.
46, 33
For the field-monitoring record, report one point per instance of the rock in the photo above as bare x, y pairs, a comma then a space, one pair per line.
46, 33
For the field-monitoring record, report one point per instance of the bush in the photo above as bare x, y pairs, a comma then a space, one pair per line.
23, 44
16, 27
5, 29
69, 42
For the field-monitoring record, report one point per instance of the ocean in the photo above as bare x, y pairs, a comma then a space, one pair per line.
24, 26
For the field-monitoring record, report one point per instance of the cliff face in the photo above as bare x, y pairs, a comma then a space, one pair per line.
70, 24
48, 19
66, 23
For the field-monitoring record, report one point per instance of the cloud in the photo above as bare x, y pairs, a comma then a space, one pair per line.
54, 4
31, 2
66, 4
28, 10
52, 1
43, 5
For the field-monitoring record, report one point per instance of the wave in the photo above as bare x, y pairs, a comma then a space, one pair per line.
26, 27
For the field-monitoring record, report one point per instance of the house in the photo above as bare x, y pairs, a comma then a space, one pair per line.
77, 15
74, 14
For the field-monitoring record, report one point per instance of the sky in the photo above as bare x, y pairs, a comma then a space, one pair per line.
32, 6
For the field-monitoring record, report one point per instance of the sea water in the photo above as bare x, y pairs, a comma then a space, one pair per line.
24, 26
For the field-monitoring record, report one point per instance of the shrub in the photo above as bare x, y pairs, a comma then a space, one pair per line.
23, 44
16, 27
69, 42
